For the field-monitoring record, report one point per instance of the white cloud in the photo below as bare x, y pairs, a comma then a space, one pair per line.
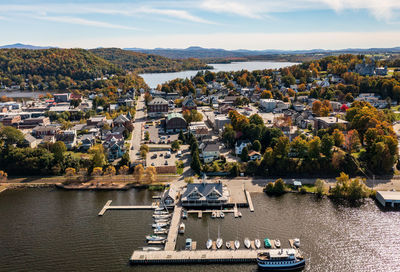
237, 8
178, 14
254, 41
84, 22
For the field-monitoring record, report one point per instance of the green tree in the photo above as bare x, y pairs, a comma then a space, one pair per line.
98, 159
319, 187
338, 138
245, 154
327, 143
282, 147
11, 135
314, 148
196, 164
256, 146
175, 145
299, 147
58, 149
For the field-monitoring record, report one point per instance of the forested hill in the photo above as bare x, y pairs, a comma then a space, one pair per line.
78, 64
140, 62
61, 69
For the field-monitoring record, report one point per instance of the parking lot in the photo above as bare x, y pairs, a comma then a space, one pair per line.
160, 158
160, 138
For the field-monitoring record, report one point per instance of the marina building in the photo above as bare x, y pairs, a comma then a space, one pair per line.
204, 195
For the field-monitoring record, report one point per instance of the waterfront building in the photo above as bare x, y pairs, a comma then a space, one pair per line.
204, 195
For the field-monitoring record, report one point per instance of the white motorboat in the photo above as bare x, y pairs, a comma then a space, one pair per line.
181, 228
213, 215
240, 214
159, 225
152, 248
160, 213
296, 242
247, 243
159, 209
277, 243
222, 215
228, 245
161, 216
219, 243
209, 244
237, 244
184, 214
257, 243
155, 238
161, 221
160, 231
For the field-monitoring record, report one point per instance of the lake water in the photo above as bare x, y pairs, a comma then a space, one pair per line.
21, 94
153, 79
55, 230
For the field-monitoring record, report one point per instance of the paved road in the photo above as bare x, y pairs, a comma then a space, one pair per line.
140, 119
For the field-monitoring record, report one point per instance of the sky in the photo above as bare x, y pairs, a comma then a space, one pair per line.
234, 24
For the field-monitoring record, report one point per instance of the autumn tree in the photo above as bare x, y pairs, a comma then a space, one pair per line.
110, 171
150, 174
266, 94
97, 171
353, 143
327, 143
314, 148
138, 173
338, 138
123, 170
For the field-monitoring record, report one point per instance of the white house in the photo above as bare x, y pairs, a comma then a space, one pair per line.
239, 145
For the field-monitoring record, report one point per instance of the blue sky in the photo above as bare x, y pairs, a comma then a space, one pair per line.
251, 24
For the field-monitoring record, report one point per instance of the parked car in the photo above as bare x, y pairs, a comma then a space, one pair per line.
166, 163
152, 164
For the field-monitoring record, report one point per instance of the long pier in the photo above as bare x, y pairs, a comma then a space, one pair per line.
108, 206
173, 231
251, 207
195, 256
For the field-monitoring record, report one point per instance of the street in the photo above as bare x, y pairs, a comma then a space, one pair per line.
140, 119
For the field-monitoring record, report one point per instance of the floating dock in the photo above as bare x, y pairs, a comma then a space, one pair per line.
197, 256
137, 207
249, 201
173, 231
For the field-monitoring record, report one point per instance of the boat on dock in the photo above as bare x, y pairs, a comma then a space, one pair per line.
237, 244
161, 221
155, 238
150, 248
228, 244
160, 213
181, 228
281, 259
209, 243
161, 216
247, 242
257, 243
219, 243
277, 243
267, 243
160, 231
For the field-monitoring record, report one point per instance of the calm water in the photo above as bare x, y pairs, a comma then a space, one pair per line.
54, 230
153, 79
19, 94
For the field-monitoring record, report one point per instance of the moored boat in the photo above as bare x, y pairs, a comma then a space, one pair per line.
267, 243
280, 259
247, 242
181, 228
188, 244
184, 214
155, 238
296, 242
161, 221
237, 244
257, 243
228, 244
209, 244
161, 216
152, 248
160, 213
219, 243
159, 225
160, 231
222, 215
213, 215
277, 243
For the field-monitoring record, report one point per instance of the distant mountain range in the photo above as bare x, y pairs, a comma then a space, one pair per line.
217, 53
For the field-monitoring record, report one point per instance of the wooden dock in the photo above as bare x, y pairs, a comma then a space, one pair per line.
249, 201
235, 211
173, 231
194, 245
136, 207
195, 256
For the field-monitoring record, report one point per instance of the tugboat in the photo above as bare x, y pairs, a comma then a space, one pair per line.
281, 259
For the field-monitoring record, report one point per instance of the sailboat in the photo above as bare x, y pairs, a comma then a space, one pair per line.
237, 243
209, 241
257, 243
219, 240
228, 244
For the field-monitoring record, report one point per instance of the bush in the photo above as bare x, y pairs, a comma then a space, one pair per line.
303, 190
276, 188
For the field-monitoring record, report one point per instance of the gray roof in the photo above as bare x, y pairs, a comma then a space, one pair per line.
202, 188
211, 148
158, 101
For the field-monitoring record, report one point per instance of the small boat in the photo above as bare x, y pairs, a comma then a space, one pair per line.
228, 245
222, 215
209, 244
158, 209
152, 248
296, 242
247, 242
159, 225
219, 243
161, 216
184, 214
160, 231
277, 243
160, 213
280, 259
155, 238
267, 243
188, 244
237, 244
181, 228
161, 221
213, 215
257, 243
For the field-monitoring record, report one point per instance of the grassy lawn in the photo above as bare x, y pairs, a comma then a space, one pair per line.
179, 167
78, 155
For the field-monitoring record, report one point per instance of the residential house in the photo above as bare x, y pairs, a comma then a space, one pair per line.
254, 155
209, 152
204, 195
327, 122
189, 104
239, 145
199, 129
11, 120
87, 141
68, 137
42, 131
30, 141
33, 122
63, 97
114, 145
157, 107
96, 121
170, 197
122, 121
